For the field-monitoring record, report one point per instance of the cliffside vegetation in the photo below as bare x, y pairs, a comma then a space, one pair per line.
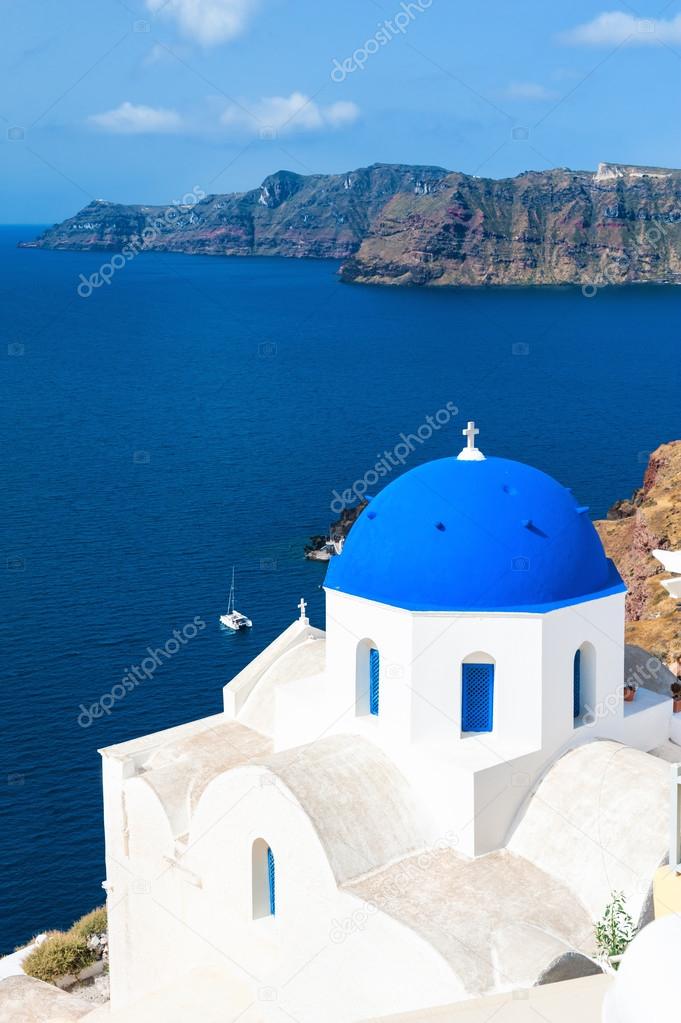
63, 953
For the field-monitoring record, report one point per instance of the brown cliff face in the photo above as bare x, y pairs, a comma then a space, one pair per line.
651, 519
394, 224
322, 216
554, 227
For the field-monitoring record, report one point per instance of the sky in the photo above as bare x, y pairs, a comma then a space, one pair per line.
144, 100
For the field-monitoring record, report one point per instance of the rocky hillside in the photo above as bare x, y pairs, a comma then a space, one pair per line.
650, 519
422, 225
322, 216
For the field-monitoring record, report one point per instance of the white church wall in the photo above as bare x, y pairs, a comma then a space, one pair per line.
144, 911
421, 662
500, 790
116, 852
442, 643
675, 731
500, 793
446, 791
597, 628
352, 626
646, 724
200, 912
301, 710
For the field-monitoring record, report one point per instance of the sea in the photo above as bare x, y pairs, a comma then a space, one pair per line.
195, 414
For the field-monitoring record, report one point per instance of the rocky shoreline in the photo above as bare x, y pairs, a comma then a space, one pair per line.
418, 225
323, 547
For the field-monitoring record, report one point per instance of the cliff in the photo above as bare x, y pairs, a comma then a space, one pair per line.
323, 548
394, 224
650, 519
322, 216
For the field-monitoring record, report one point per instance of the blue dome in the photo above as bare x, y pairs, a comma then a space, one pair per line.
492, 535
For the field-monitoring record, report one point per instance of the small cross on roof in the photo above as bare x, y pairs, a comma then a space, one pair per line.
470, 453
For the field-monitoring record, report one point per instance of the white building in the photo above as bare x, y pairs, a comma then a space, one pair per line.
382, 817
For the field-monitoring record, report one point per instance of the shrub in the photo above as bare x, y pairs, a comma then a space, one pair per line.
61, 953
57, 955
91, 923
615, 930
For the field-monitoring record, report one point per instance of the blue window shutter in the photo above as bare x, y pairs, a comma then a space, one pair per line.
271, 880
477, 698
577, 685
374, 672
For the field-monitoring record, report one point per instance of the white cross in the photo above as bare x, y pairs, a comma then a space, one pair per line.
303, 608
470, 453
471, 432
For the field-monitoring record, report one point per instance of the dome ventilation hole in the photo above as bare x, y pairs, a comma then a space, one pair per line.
441, 526
371, 515
508, 489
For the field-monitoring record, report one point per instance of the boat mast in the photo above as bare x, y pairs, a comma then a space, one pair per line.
230, 605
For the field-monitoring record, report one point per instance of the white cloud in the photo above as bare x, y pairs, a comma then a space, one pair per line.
616, 27
207, 21
528, 90
131, 119
288, 114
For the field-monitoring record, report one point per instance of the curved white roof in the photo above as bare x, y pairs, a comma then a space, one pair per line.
361, 806
599, 823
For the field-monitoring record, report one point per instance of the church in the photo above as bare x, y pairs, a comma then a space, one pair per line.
430, 800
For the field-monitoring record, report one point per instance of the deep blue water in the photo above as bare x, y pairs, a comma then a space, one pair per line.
198, 413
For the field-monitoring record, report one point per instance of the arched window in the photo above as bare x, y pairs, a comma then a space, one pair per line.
577, 685
374, 678
584, 687
263, 880
477, 693
271, 888
367, 681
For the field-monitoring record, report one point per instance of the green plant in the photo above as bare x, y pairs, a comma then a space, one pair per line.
57, 955
615, 929
91, 923
66, 952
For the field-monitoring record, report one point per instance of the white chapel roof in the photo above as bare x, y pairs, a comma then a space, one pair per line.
178, 763
498, 920
362, 808
180, 771
599, 822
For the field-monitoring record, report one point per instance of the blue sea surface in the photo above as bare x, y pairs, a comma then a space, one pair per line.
200, 412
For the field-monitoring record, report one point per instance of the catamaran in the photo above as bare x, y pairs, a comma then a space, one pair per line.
234, 619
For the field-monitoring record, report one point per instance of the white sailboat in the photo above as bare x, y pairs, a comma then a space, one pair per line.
233, 619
